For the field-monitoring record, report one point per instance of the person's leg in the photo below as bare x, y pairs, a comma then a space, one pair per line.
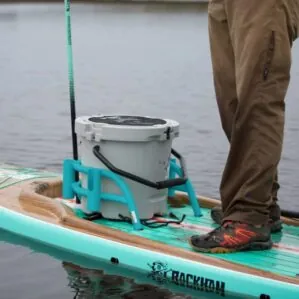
260, 38
223, 64
275, 212
275, 223
260, 32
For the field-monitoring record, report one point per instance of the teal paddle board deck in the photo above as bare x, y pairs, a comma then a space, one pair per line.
30, 209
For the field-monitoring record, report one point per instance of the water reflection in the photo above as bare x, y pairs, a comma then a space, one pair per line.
89, 283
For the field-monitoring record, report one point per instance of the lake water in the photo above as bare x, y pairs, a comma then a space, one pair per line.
148, 59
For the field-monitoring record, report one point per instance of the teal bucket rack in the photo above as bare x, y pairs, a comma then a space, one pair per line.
177, 181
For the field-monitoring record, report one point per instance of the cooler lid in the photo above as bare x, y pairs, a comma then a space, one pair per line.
126, 128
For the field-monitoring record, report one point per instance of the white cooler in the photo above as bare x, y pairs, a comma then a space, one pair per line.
136, 144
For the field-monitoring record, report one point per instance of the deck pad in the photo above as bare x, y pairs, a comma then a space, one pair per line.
282, 259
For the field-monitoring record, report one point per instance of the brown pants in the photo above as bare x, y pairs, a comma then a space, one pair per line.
251, 43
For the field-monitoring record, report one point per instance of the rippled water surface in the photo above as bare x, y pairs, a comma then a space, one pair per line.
132, 59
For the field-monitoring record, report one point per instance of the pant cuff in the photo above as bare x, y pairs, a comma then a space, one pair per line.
248, 217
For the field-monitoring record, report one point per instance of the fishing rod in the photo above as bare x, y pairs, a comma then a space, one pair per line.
67, 8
